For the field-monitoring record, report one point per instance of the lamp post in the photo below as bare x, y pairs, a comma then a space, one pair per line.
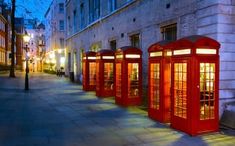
26, 40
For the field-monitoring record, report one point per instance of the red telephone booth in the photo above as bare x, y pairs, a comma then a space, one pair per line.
159, 73
89, 71
195, 81
105, 60
128, 76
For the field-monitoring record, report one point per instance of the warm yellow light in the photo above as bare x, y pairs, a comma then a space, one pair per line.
182, 52
60, 51
168, 53
156, 54
53, 61
91, 58
97, 57
119, 56
205, 51
26, 38
52, 55
132, 56
84, 58
108, 57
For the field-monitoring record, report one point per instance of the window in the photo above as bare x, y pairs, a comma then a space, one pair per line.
133, 79
118, 80
155, 85
94, 10
61, 8
207, 89
61, 25
112, 5
74, 21
108, 76
69, 61
135, 40
61, 43
113, 45
169, 32
82, 16
92, 73
180, 90
69, 26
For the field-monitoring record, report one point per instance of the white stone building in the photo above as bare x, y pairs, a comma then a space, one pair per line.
55, 33
110, 24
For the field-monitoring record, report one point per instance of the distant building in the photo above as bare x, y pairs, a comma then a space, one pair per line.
20, 30
96, 24
4, 36
3, 40
55, 34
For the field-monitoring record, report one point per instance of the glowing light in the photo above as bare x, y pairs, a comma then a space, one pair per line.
53, 61
119, 56
26, 38
60, 51
97, 57
205, 51
168, 53
132, 56
108, 57
182, 52
156, 54
52, 55
84, 58
62, 60
28, 54
91, 58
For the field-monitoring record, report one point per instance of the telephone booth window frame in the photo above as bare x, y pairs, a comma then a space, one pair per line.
207, 90
180, 89
155, 85
118, 79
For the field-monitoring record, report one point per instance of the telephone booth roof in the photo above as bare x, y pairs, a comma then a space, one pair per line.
160, 46
197, 44
90, 53
129, 50
105, 52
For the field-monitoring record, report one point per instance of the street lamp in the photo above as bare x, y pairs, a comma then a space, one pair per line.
26, 39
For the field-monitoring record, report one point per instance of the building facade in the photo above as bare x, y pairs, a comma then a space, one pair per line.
55, 34
3, 39
110, 24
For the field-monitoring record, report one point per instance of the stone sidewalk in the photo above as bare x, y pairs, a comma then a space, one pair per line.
56, 112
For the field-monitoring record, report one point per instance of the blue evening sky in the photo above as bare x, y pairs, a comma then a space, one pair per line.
35, 8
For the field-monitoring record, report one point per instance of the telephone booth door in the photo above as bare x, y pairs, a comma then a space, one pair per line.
195, 81
128, 76
180, 94
89, 71
105, 73
159, 69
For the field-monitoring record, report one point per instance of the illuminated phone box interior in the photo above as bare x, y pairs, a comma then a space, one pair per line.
159, 79
128, 76
105, 70
195, 82
89, 71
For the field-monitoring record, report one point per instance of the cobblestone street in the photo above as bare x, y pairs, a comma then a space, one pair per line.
55, 112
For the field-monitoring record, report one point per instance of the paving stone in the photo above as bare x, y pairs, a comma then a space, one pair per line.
55, 112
